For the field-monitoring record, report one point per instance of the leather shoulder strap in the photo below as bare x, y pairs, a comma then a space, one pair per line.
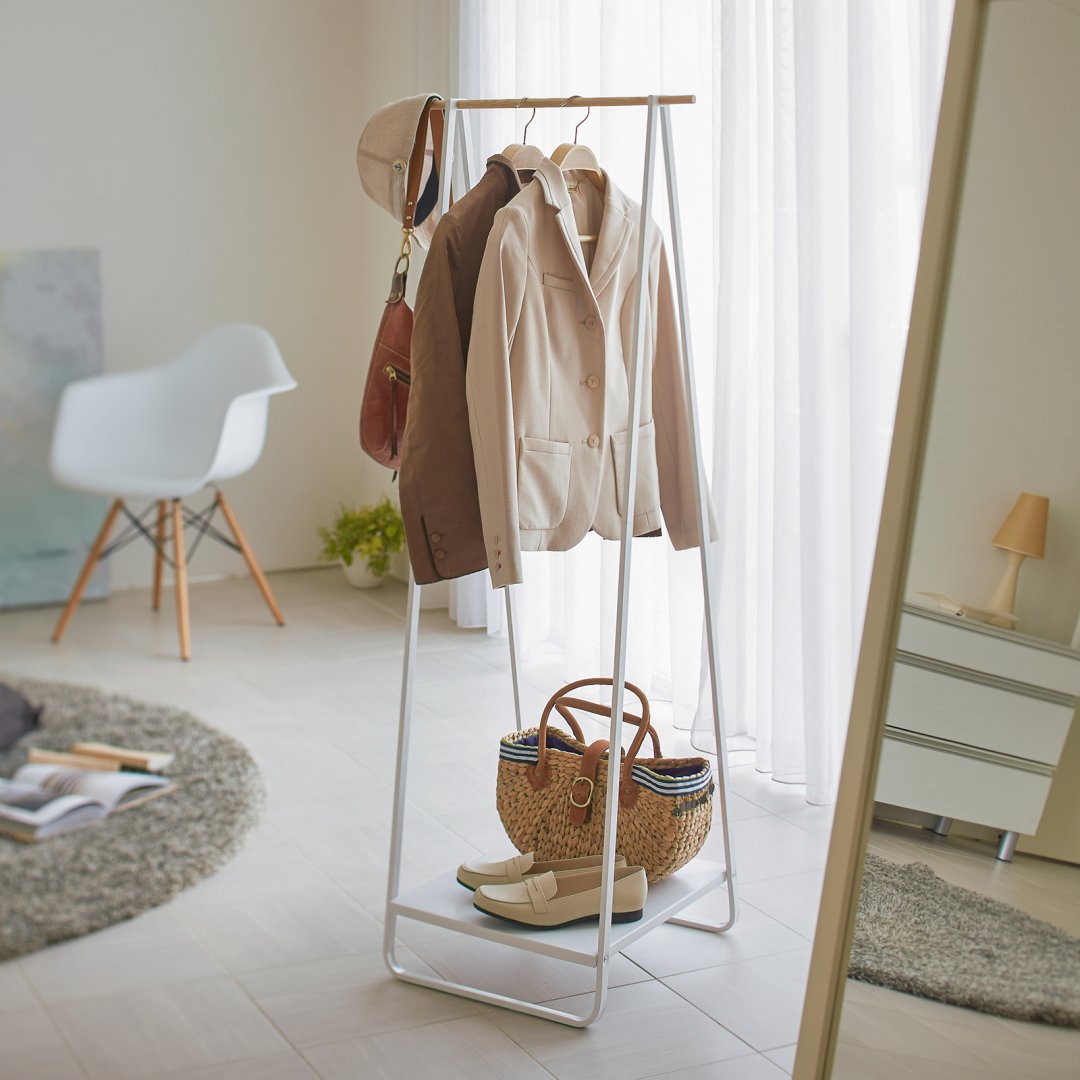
416, 160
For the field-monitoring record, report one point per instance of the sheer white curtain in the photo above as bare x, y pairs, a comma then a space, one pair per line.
802, 174
824, 138
567, 604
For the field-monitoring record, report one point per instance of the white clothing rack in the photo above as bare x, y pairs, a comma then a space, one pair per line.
443, 902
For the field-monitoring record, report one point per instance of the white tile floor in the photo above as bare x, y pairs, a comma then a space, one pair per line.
272, 968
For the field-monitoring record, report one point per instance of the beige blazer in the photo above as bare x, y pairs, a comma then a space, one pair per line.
547, 376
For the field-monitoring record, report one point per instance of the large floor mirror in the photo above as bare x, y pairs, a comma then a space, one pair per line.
947, 939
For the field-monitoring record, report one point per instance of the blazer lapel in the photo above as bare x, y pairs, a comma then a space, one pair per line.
554, 184
611, 241
616, 226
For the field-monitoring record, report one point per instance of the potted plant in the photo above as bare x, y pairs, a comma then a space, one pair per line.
363, 540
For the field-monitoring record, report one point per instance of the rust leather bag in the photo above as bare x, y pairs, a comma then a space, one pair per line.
384, 409
386, 393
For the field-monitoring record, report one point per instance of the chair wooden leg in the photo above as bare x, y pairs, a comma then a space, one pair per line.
159, 554
87, 571
249, 558
181, 579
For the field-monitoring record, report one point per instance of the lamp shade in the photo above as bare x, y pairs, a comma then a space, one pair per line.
1024, 530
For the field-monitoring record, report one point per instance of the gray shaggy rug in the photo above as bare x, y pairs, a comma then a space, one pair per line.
917, 933
72, 884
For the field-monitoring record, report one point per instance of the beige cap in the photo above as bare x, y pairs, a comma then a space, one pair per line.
396, 147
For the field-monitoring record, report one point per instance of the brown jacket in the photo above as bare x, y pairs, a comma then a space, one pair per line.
439, 502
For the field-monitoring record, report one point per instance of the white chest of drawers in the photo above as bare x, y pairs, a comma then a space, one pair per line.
975, 722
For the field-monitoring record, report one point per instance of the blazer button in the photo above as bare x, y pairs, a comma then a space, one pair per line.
440, 554
594, 441
590, 323
593, 381
436, 537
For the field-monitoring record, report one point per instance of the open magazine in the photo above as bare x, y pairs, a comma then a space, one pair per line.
44, 800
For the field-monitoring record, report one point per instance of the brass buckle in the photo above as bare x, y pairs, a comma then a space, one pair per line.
592, 788
402, 264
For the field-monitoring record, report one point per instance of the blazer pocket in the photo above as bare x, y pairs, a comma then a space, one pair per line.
647, 494
543, 482
560, 283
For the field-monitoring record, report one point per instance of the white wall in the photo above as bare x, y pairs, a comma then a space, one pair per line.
207, 148
1006, 414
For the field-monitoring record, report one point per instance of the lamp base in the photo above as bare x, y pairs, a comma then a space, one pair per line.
1003, 600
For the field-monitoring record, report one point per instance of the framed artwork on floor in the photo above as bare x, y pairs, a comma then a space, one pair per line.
50, 335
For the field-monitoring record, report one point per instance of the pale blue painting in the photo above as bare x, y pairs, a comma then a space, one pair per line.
50, 334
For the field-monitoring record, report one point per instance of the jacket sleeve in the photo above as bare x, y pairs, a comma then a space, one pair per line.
437, 484
500, 291
671, 414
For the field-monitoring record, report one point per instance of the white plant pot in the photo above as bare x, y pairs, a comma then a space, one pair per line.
360, 577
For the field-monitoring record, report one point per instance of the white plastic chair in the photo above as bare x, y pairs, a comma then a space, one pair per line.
164, 433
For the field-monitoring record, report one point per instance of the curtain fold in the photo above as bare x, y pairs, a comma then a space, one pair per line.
802, 175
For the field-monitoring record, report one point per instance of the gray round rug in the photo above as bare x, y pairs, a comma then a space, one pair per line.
71, 884
917, 933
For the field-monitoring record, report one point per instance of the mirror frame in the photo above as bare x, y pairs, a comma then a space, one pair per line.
858, 777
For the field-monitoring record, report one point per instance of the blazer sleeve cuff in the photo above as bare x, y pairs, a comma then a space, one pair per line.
506, 570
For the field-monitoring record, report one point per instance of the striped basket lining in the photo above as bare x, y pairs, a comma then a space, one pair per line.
678, 780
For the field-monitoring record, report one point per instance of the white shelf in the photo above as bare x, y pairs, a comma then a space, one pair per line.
443, 902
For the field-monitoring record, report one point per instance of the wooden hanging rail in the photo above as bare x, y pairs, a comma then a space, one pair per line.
557, 102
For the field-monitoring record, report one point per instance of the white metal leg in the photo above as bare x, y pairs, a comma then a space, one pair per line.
681, 894
1007, 846
450, 124
515, 651
401, 768
700, 486
463, 152
618, 689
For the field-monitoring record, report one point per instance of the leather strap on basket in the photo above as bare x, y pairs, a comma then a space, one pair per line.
539, 775
584, 786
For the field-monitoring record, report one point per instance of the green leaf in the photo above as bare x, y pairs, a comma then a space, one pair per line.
373, 533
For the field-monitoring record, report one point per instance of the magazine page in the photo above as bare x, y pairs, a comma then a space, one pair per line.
111, 789
30, 805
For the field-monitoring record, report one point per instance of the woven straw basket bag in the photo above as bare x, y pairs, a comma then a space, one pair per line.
552, 788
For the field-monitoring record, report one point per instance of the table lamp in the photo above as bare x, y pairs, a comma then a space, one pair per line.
1023, 536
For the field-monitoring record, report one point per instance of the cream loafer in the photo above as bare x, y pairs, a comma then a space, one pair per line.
474, 874
549, 900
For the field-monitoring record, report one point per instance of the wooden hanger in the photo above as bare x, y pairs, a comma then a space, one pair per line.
520, 155
576, 157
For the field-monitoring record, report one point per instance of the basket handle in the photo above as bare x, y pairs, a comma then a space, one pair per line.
540, 775
563, 706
